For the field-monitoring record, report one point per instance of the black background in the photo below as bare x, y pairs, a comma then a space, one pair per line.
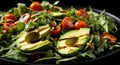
109, 5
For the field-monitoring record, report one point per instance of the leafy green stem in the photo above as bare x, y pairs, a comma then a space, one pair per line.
66, 59
47, 58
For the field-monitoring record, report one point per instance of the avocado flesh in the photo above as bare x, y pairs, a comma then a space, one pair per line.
58, 14
24, 43
36, 35
73, 41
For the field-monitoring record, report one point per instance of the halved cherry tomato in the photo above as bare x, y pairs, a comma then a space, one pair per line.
80, 24
8, 26
55, 30
108, 36
68, 23
25, 18
83, 12
36, 6
10, 17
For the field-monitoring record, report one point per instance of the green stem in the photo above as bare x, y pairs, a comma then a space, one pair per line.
66, 59
19, 35
91, 39
47, 58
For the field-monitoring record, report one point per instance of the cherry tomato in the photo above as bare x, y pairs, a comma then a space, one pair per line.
55, 30
36, 6
80, 24
108, 36
25, 18
83, 12
8, 26
68, 23
10, 17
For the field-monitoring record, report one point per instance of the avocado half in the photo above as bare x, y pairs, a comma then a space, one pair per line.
73, 41
31, 41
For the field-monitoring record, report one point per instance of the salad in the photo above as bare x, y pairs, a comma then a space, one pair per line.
47, 32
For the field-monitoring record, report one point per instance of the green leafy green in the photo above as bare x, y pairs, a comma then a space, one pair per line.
20, 26
72, 12
65, 59
15, 54
1, 17
20, 10
1, 29
48, 6
45, 18
99, 23
89, 54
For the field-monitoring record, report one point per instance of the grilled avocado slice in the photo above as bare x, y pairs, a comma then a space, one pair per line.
73, 41
32, 41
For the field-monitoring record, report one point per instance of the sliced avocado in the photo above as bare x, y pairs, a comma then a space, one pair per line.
31, 41
56, 14
73, 41
37, 33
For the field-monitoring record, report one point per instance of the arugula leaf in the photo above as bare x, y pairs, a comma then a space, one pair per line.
20, 26
44, 18
15, 54
89, 54
1, 29
46, 5
56, 2
114, 46
49, 53
15, 11
102, 47
103, 22
1, 17
23, 8
72, 12
112, 27
19, 10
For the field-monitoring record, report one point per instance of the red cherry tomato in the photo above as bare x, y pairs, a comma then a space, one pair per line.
55, 30
9, 17
36, 6
25, 18
83, 12
80, 24
8, 26
108, 36
68, 23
